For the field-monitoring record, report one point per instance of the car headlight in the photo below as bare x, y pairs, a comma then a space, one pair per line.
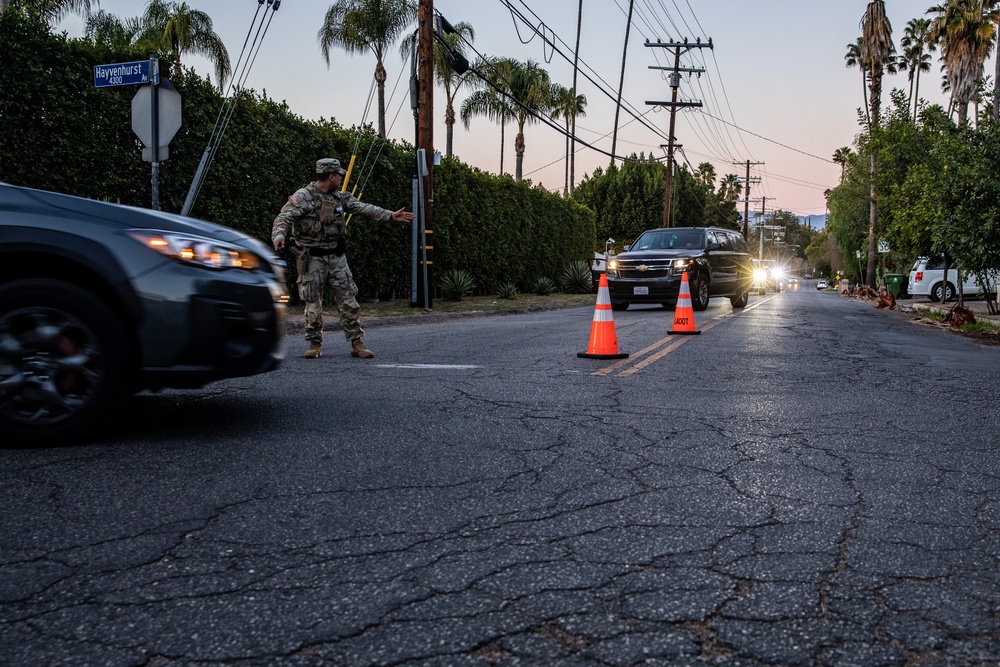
779, 274
683, 263
759, 274
197, 250
612, 267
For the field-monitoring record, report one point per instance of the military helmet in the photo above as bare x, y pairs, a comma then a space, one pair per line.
329, 165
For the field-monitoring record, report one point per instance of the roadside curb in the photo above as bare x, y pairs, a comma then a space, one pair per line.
331, 319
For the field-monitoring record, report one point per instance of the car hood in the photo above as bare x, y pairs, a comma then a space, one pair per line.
659, 254
17, 198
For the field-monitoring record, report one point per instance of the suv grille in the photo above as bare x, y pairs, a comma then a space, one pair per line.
656, 268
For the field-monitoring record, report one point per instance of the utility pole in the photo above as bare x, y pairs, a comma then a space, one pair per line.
746, 200
675, 82
425, 150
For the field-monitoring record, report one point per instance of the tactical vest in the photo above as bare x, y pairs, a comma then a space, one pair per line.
325, 226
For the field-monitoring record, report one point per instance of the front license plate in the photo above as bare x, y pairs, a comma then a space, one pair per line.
640, 291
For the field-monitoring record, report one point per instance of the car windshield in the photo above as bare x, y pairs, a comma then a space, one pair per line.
668, 240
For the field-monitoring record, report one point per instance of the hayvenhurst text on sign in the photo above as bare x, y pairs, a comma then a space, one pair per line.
121, 74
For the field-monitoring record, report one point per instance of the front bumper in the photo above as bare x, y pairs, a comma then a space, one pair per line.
657, 290
201, 326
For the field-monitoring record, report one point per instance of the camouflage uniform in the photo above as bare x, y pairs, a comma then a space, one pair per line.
317, 222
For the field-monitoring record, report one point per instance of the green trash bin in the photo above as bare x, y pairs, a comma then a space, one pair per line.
896, 284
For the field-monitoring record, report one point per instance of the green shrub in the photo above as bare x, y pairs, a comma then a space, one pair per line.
544, 286
577, 278
456, 284
507, 290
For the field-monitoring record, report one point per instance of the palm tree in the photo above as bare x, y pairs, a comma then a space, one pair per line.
730, 188
529, 88
841, 156
450, 80
914, 58
492, 99
111, 31
178, 29
568, 107
966, 30
358, 26
876, 50
854, 59
52, 10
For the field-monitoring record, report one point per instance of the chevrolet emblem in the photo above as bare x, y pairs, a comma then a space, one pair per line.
643, 267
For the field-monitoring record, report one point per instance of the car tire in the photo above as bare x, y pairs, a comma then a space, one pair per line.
937, 292
617, 307
699, 293
740, 300
66, 359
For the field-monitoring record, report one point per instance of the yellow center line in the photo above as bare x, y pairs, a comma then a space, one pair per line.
667, 350
672, 342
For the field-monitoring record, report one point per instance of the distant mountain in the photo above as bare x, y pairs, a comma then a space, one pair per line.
815, 222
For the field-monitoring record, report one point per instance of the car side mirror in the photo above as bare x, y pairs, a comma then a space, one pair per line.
628, 247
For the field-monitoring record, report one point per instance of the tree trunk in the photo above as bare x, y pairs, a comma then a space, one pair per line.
380, 77
566, 186
503, 125
519, 152
916, 96
872, 218
449, 121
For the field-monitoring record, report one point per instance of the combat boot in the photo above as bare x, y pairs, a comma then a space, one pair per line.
359, 350
315, 351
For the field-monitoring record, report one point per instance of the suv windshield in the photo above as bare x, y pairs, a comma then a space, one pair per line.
668, 240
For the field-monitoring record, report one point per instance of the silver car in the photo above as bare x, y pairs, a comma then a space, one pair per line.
98, 301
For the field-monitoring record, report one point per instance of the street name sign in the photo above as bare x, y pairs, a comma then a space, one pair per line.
121, 74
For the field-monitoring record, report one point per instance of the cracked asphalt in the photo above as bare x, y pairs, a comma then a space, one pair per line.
808, 482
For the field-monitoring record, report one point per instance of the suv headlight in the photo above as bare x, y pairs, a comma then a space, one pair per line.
681, 264
612, 268
197, 250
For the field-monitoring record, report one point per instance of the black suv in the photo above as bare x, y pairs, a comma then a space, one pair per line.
716, 260
98, 301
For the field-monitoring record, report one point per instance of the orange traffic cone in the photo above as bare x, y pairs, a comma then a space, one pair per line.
603, 342
684, 313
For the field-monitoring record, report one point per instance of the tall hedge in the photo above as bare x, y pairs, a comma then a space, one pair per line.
59, 132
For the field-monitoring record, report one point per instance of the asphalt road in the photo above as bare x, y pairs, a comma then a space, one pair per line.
807, 482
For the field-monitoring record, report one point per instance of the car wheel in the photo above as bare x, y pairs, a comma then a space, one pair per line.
619, 306
699, 293
65, 360
937, 294
740, 300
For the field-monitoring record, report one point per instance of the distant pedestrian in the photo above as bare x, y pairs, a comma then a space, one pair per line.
314, 220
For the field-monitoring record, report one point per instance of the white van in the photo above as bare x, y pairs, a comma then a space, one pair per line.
927, 279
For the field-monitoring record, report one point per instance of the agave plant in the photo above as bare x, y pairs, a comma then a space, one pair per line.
508, 290
456, 284
544, 286
577, 277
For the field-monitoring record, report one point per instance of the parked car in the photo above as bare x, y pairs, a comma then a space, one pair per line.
98, 301
650, 271
927, 279
821, 284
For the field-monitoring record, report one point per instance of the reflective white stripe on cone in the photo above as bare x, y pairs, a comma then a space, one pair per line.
603, 340
684, 313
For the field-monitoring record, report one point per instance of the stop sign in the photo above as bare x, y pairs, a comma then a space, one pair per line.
169, 103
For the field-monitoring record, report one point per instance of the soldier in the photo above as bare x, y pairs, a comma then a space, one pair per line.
316, 218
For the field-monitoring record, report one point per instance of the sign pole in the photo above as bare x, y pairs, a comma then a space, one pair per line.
154, 106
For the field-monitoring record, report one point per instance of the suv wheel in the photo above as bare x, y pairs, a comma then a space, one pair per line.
65, 360
937, 293
699, 293
739, 300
